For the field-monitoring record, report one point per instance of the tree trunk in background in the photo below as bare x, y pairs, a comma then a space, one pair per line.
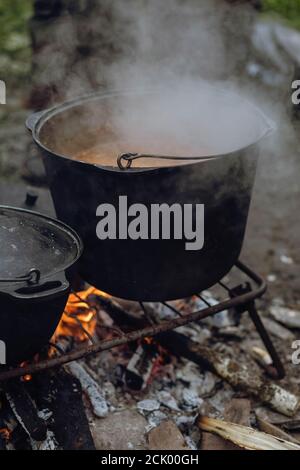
83, 45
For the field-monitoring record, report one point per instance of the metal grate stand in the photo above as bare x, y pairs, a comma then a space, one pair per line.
240, 298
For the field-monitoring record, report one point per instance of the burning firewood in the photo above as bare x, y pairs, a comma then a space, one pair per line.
79, 318
243, 436
144, 364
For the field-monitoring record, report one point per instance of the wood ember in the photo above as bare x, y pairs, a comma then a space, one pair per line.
141, 365
91, 388
166, 436
243, 436
59, 395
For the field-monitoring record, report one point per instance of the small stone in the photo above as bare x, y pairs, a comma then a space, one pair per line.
155, 418
261, 356
209, 383
191, 398
122, 430
278, 330
167, 400
190, 443
166, 436
233, 332
286, 259
148, 405
271, 278
198, 333
287, 316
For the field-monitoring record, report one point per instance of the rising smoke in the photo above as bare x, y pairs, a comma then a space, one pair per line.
176, 46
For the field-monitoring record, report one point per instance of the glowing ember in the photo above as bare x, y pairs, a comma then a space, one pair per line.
79, 319
27, 377
5, 433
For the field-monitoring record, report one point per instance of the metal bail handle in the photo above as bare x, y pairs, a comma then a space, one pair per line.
129, 157
32, 277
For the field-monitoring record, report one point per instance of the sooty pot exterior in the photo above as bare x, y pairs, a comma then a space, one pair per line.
145, 269
27, 324
154, 270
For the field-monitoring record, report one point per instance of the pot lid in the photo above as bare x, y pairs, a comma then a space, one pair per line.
31, 241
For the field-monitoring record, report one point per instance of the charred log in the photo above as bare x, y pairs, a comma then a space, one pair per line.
61, 394
24, 410
20, 439
2, 436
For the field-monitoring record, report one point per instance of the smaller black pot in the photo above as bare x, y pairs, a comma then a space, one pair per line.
38, 257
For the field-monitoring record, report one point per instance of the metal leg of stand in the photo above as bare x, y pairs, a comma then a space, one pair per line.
276, 371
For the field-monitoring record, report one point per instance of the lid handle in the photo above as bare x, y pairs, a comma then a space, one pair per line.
32, 277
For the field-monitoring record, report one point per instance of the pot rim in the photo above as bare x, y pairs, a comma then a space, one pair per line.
36, 121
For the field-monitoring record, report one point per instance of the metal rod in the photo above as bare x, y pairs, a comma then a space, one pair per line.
85, 351
128, 158
173, 309
277, 369
203, 300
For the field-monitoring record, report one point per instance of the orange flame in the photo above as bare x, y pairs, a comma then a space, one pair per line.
79, 319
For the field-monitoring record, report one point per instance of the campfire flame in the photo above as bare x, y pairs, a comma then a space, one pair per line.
79, 319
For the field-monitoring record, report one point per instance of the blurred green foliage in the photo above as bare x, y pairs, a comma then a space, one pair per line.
288, 9
15, 41
14, 37
13, 24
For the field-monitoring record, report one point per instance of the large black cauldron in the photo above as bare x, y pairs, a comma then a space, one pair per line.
153, 270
